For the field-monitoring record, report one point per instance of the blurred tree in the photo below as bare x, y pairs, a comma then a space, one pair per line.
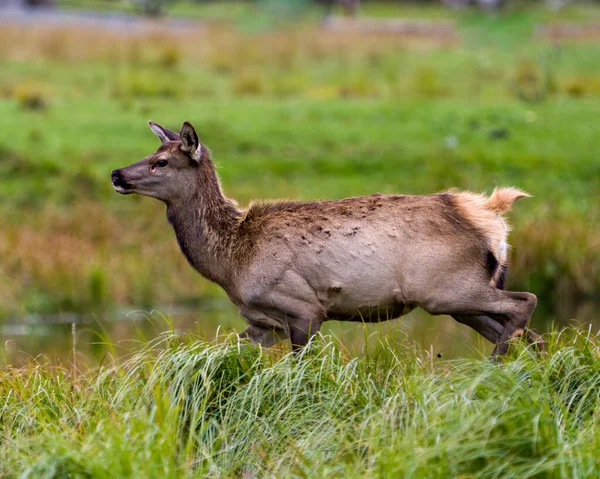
38, 3
557, 4
487, 4
284, 9
152, 8
350, 7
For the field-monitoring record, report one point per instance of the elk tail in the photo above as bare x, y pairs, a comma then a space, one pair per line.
501, 199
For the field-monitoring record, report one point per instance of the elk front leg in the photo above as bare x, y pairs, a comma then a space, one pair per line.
262, 329
292, 304
301, 331
265, 331
264, 336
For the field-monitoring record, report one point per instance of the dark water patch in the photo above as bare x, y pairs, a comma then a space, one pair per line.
57, 336
95, 338
112, 21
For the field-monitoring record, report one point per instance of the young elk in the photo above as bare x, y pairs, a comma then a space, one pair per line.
290, 266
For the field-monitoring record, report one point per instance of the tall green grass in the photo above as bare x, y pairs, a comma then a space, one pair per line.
183, 408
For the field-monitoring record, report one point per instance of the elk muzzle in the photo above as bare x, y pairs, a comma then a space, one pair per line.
119, 182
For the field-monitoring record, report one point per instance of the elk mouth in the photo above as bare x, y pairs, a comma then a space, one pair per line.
123, 190
120, 184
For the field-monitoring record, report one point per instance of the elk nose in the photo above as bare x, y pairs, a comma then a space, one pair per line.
115, 176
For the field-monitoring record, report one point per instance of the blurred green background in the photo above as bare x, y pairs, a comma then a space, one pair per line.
295, 99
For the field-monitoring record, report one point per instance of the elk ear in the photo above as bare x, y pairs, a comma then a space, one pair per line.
189, 141
164, 134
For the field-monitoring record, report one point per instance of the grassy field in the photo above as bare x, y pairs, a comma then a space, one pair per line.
183, 408
295, 112
300, 113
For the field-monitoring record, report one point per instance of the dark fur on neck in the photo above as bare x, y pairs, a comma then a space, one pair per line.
206, 225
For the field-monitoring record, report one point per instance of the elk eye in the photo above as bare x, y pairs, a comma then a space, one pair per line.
162, 163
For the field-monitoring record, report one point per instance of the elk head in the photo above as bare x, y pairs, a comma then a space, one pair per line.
171, 173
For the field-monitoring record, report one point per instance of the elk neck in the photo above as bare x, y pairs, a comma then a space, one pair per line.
206, 225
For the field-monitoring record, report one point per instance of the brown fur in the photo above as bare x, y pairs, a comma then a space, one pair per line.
436, 213
486, 215
501, 199
517, 333
289, 266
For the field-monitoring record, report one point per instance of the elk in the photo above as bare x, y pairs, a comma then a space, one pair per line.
289, 266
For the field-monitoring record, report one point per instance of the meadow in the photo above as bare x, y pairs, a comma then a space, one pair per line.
295, 112
290, 109
182, 408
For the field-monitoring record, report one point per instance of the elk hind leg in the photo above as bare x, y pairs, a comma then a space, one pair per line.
521, 309
487, 327
511, 309
535, 340
532, 338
